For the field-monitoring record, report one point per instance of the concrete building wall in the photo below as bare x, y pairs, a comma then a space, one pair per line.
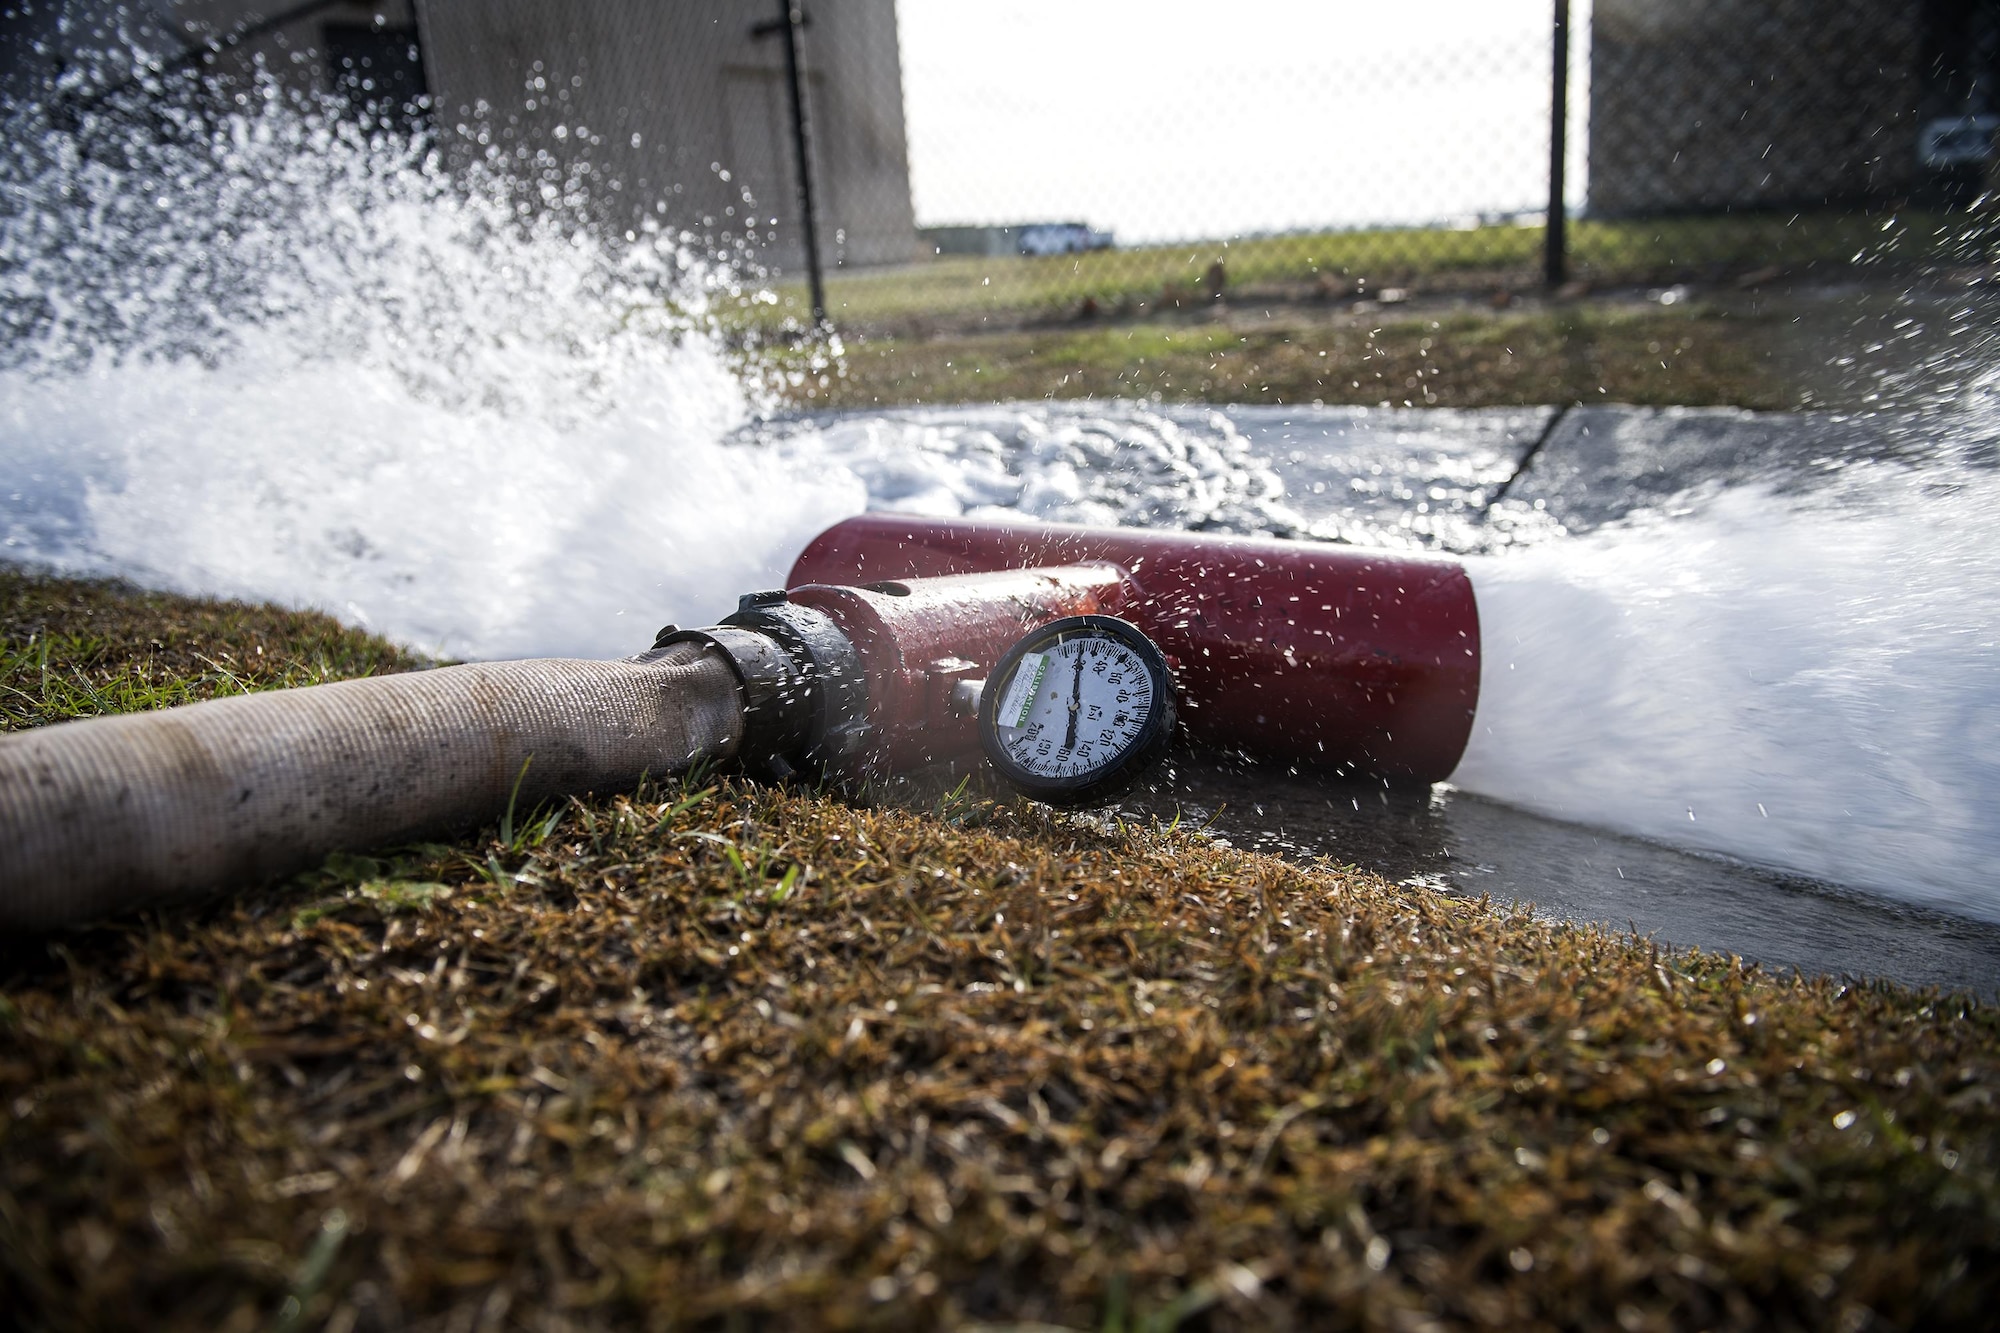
1698, 105
673, 94
672, 107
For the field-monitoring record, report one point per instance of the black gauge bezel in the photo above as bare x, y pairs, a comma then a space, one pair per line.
1101, 786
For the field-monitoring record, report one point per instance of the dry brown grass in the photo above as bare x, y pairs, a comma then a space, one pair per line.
1625, 354
723, 1055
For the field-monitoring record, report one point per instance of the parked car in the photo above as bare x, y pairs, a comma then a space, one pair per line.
1957, 141
1060, 238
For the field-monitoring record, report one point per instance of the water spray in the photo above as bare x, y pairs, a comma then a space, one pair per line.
1069, 656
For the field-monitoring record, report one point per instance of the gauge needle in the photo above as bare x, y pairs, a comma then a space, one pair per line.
1075, 702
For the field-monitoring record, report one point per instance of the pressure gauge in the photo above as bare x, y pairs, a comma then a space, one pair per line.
1077, 710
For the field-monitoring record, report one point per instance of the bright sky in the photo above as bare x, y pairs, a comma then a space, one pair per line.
1176, 119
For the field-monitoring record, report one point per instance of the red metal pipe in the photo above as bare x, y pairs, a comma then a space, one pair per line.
919, 640
1359, 661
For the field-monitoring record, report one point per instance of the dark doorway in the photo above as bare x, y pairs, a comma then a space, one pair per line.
379, 71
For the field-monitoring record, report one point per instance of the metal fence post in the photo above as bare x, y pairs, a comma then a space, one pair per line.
1555, 255
791, 21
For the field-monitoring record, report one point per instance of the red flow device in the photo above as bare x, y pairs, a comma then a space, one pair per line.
1357, 661
924, 645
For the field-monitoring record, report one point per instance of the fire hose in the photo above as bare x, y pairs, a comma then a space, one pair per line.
1069, 655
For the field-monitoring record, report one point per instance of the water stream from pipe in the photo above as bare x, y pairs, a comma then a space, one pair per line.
1810, 681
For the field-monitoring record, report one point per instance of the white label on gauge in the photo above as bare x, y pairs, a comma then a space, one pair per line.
1020, 696
1075, 708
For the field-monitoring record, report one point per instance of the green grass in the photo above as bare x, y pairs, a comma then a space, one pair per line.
1642, 354
962, 292
71, 649
1297, 320
713, 1054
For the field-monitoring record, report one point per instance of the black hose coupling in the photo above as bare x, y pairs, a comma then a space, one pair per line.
805, 696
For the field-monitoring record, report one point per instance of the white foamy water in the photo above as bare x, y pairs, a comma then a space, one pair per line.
476, 531
265, 355
462, 531
1116, 463
1809, 682
269, 357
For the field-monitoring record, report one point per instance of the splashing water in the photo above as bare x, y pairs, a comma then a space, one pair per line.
1810, 682
263, 353
1105, 463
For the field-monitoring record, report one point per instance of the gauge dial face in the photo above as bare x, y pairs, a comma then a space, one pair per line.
1077, 709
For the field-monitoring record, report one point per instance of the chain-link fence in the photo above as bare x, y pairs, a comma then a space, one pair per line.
1027, 159
1800, 134
1062, 162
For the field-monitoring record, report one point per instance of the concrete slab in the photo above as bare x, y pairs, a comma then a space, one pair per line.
1393, 476
1601, 463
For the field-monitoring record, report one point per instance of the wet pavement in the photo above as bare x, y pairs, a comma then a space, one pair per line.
1430, 475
